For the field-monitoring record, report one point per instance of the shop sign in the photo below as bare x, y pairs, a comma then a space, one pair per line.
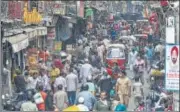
80, 8
57, 46
20, 45
41, 6
41, 31
31, 17
172, 68
51, 33
59, 8
170, 30
71, 9
14, 9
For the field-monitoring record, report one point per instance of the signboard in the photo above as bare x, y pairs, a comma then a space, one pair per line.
80, 8
170, 30
57, 46
41, 6
31, 17
51, 33
172, 67
59, 8
14, 10
71, 8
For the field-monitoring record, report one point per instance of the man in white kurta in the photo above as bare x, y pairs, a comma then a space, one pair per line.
131, 58
85, 71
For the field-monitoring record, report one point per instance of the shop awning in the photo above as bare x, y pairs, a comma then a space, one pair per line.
41, 31
31, 33
18, 42
89, 12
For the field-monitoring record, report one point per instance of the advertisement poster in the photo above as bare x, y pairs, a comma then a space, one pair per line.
51, 33
59, 8
170, 30
172, 68
57, 46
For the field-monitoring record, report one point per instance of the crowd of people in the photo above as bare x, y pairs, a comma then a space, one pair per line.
58, 85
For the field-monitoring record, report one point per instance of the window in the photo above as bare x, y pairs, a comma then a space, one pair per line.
115, 53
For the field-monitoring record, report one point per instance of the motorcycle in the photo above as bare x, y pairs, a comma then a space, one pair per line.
14, 104
157, 72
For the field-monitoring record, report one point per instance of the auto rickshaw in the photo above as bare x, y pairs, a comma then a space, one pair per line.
115, 54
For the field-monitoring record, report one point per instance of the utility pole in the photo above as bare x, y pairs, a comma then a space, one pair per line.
1, 63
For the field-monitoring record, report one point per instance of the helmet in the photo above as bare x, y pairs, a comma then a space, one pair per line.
85, 87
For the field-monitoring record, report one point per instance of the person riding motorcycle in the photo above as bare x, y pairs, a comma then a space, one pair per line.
139, 68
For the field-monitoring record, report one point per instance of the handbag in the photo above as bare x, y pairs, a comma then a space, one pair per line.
38, 98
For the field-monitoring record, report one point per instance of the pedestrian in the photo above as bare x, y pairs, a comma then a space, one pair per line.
54, 72
35, 80
72, 86
43, 79
58, 63
81, 104
137, 91
66, 67
116, 70
131, 57
29, 105
105, 84
26, 70
91, 85
139, 67
89, 99
123, 88
87, 50
60, 98
103, 104
60, 80
85, 70
29, 81
100, 50
40, 98
49, 101
20, 82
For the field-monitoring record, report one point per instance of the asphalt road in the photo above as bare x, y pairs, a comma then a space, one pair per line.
131, 105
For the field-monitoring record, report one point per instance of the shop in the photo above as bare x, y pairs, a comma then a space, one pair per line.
31, 33
41, 33
19, 43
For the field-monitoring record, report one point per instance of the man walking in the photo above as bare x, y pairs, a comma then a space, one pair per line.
72, 86
123, 88
60, 98
85, 71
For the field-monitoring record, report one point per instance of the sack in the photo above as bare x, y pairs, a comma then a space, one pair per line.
38, 98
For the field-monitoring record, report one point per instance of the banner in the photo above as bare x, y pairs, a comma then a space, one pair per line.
59, 8
57, 46
51, 33
80, 8
172, 67
170, 30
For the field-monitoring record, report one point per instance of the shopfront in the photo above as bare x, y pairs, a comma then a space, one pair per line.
41, 37
19, 43
31, 33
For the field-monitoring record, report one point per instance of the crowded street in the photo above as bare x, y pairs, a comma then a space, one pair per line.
63, 56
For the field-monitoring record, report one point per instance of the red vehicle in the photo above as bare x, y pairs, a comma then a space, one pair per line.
115, 54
